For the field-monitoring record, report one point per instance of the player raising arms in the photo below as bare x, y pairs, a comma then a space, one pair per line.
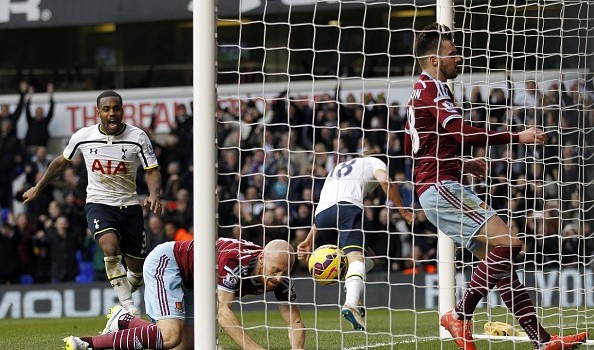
341, 208
112, 151
435, 129
169, 300
247, 269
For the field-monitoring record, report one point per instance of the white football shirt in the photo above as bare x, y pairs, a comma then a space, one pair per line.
349, 182
112, 161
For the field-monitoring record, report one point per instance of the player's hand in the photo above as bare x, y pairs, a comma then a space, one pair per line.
533, 136
23, 86
407, 215
153, 203
30, 194
476, 167
303, 250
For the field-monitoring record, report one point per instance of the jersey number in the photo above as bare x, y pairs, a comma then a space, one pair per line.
343, 169
414, 134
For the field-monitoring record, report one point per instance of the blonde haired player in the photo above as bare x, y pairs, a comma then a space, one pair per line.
341, 208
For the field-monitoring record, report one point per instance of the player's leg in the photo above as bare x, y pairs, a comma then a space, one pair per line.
502, 244
103, 221
351, 242
133, 244
115, 270
187, 341
166, 299
498, 250
188, 338
134, 274
172, 331
460, 214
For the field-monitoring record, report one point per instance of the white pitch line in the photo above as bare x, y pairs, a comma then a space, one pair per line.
377, 345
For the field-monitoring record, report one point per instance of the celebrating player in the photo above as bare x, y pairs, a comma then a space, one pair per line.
169, 300
112, 151
435, 130
341, 207
247, 269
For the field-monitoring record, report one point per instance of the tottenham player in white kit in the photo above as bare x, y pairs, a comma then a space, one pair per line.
341, 208
112, 151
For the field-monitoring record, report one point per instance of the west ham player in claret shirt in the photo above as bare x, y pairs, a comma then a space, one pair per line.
169, 301
248, 269
112, 151
435, 130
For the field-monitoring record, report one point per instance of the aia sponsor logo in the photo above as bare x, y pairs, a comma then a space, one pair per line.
109, 168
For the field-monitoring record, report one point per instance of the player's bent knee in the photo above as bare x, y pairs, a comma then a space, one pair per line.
172, 332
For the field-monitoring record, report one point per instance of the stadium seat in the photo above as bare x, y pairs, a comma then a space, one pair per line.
26, 279
85, 272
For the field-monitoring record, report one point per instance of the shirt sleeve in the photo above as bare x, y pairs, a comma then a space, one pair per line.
147, 154
72, 148
467, 134
229, 274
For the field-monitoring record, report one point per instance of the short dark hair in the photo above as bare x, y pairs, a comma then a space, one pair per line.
109, 93
430, 37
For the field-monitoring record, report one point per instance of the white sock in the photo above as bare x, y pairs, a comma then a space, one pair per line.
354, 283
117, 276
135, 280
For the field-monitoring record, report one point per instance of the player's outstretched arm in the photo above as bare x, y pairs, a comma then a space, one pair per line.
306, 247
229, 322
292, 317
391, 190
56, 167
154, 183
532, 136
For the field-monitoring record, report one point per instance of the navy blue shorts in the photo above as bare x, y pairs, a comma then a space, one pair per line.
341, 224
126, 221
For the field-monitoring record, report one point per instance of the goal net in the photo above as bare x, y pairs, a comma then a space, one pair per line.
304, 85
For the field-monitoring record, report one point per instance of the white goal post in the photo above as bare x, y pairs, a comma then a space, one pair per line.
204, 196
284, 67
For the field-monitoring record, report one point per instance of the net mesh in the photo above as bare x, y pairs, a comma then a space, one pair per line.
305, 85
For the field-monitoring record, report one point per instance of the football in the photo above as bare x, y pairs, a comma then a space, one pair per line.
328, 264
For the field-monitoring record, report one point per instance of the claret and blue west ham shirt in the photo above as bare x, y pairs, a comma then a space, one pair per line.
435, 130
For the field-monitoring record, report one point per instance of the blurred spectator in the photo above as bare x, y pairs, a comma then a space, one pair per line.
41, 159
16, 114
11, 158
62, 247
179, 209
155, 232
300, 223
42, 270
280, 184
274, 224
26, 230
183, 130
10, 268
38, 130
175, 232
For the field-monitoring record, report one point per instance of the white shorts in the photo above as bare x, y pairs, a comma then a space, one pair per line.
165, 296
456, 211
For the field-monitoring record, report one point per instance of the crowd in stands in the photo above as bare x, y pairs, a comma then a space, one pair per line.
49, 241
272, 162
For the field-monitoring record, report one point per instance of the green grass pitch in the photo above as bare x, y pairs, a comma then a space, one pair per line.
386, 329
